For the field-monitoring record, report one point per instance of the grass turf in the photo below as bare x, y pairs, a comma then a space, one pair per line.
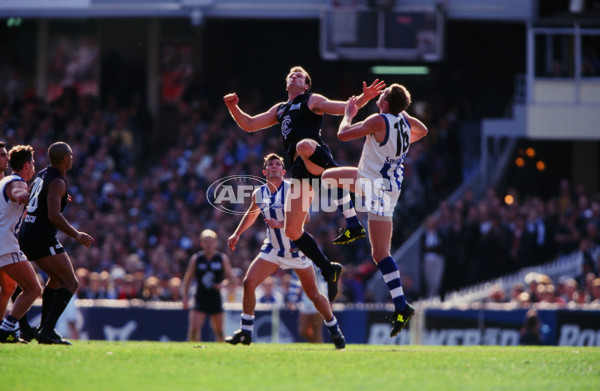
101, 365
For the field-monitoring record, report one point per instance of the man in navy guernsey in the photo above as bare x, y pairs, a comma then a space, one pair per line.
212, 271
277, 251
37, 238
300, 119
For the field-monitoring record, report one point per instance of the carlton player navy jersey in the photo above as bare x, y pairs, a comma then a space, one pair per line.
208, 271
37, 221
298, 122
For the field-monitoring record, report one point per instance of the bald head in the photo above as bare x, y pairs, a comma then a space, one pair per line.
58, 151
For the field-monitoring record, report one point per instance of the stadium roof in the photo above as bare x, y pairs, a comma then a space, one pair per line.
513, 10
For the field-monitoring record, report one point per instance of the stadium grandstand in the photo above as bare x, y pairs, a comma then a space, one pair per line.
508, 178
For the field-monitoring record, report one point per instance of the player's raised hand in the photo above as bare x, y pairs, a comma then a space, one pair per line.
376, 88
231, 99
351, 107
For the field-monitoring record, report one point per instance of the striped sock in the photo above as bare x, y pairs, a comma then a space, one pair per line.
247, 322
391, 276
346, 206
332, 326
9, 323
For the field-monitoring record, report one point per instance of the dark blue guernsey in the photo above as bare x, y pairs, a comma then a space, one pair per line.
208, 273
37, 222
297, 123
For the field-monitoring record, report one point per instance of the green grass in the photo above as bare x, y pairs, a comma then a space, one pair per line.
100, 365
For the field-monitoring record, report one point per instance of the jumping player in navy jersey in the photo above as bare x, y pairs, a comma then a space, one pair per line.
210, 268
37, 238
300, 120
277, 251
378, 179
13, 198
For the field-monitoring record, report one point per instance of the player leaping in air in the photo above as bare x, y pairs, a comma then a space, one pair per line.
300, 119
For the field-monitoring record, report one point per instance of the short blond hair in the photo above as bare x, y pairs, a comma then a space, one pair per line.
208, 233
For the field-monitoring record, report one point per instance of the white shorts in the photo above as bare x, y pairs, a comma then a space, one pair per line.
10, 258
376, 198
299, 262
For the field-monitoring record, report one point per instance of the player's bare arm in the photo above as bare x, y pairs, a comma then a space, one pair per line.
418, 130
228, 270
319, 104
279, 224
187, 280
17, 192
347, 131
274, 223
369, 92
246, 222
56, 190
247, 122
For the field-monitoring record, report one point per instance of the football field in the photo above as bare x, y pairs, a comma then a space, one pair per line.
101, 365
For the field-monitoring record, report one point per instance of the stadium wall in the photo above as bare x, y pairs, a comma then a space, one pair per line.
432, 326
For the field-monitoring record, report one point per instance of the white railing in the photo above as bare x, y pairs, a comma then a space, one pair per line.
566, 266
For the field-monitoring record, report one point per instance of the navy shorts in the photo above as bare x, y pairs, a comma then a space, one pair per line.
209, 304
299, 170
39, 247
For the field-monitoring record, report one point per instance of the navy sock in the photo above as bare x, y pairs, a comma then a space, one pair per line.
391, 276
47, 297
57, 307
24, 323
307, 244
352, 222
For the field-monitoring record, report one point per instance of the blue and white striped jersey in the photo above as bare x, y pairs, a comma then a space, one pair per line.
11, 214
273, 206
383, 161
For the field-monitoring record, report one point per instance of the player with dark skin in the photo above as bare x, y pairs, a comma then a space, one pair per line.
37, 238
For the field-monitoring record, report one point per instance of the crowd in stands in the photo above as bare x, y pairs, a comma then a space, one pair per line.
146, 210
490, 237
540, 291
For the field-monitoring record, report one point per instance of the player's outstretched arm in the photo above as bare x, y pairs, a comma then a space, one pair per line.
319, 104
369, 92
418, 130
246, 222
244, 120
348, 131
